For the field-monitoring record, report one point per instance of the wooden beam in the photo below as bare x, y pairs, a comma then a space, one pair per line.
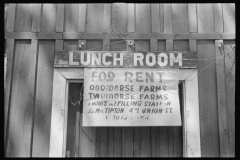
7, 93
222, 104
77, 35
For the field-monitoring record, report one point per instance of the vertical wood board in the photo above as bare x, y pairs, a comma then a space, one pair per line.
143, 18
205, 18
82, 12
180, 18
155, 18
48, 22
229, 22
119, 17
208, 100
131, 17
36, 17
94, 22
222, 107
43, 103
192, 16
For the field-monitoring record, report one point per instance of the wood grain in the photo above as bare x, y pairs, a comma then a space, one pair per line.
11, 12
43, 101
192, 14
208, 100
60, 17
130, 17
218, 17
36, 17
222, 106
22, 100
143, 18
82, 11
229, 20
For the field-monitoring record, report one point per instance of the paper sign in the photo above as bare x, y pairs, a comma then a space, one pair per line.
131, 97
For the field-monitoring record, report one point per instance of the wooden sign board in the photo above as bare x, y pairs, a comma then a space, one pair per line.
131, 97
125, 59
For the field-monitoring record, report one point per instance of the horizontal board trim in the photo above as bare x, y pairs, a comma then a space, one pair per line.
77, 35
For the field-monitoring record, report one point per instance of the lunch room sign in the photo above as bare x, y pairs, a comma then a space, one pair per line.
129, 88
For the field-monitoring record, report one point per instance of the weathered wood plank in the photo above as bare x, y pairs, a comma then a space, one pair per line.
118, 45
154, 44
161, 45
107, 17
131, 17
181, 45
145, 142
163, 145
169, 45
77, 35
71, 18
218, 17
142, 45
43, 101
111, 142
170, 142
229, 22
117, 144
155, 18
143, 18
127, 147
36, 17
119, 17
23, 20
161, 12
82, 17
7, 93
48, 23
208, 100
205, 18
193, 45
60, 17
11, 12
222, 106
94, 18
57, 120
167, 9
230, 74
192, 14
62, 59
103, 142
70, 45
180, 18
22, 100
153, 142
136, 142
177, 142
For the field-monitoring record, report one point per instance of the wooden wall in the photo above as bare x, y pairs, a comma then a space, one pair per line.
34, 31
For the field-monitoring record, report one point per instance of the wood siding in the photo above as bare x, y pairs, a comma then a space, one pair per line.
34, 31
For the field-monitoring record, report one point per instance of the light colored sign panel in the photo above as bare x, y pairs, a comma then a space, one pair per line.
131, 97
